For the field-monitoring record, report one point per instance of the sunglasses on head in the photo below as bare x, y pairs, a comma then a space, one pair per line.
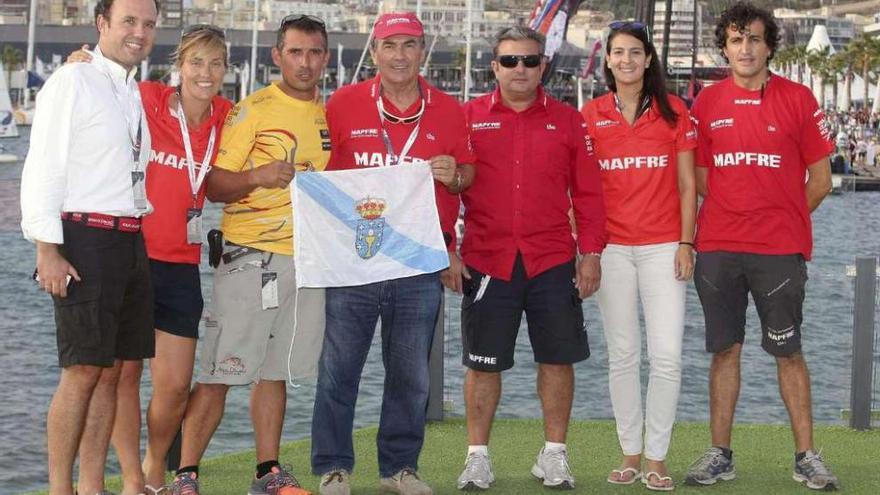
302, 17
198, 28
511, 61
623, 24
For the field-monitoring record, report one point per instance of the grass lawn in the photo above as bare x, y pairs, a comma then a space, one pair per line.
763, 455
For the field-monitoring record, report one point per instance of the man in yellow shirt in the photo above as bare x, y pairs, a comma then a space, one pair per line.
268, 137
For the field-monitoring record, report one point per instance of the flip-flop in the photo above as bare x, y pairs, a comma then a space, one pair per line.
657, 488
156, 491
621, 472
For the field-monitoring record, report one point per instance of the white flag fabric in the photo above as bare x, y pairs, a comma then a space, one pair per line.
355, 227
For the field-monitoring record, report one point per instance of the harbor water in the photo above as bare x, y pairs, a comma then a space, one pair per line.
845, 226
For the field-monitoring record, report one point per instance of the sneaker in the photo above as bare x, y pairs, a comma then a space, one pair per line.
278, 481
406, 482
335, 482
184, 484
552, 467
710, 468
477, 474
812, 471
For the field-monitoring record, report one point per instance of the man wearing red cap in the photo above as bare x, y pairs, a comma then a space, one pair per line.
397, 118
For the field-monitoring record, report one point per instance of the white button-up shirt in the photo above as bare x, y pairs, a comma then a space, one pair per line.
80, 156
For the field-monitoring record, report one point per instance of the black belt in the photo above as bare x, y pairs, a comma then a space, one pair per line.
237, 251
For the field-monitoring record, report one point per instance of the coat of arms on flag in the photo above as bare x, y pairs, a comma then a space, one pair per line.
371, 228
354, 227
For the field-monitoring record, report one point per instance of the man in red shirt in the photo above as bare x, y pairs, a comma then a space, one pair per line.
534, 164
760, 135
397, 118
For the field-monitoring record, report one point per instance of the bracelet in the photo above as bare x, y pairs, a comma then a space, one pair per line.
598, 255
458, 183
685, 243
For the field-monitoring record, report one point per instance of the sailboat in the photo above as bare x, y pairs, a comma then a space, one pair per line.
8, 128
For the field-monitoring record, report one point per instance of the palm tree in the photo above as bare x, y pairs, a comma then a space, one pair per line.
799, 59
819, 66
12, 59
838, 66
865, 51
783, 60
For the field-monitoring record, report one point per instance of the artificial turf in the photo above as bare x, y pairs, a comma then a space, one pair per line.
763, 455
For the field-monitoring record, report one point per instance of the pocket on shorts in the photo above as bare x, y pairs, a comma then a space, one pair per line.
78, 316
470, 288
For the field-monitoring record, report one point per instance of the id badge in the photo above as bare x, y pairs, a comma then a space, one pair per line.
270, 290
139, 190
194, 226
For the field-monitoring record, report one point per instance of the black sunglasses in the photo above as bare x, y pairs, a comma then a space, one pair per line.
511, 61
198, 28
302, 17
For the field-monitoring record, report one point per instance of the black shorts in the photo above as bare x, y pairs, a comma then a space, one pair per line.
109, 314
177, 295
776, 282
491, 317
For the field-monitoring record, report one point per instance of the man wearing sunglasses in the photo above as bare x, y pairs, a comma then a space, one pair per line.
534, 165
395, 119
268, 137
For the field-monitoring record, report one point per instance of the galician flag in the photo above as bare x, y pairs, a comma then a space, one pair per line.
355, 227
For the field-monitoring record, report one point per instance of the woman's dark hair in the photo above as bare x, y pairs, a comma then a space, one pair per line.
739, 16
654, 84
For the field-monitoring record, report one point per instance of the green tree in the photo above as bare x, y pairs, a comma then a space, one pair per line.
817, 60
865, 53
12, 60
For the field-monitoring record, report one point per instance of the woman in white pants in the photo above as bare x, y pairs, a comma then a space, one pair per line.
644, 141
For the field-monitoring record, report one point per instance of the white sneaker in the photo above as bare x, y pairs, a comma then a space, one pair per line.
477, 474
552, 467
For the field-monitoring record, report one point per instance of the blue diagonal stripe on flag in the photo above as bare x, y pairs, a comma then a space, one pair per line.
395, 245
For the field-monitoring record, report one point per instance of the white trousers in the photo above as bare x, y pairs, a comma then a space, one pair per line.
631, 274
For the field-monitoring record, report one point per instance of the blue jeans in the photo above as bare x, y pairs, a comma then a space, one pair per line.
408, 308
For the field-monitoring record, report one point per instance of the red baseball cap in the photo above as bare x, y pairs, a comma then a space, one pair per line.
395, 23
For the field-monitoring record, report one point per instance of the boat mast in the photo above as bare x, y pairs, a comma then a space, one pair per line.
467, 54
253, 73
29, 63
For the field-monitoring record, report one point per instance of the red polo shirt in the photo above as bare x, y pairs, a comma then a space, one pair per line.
356, 136
639, 165
168, 186
532, 167
757, 148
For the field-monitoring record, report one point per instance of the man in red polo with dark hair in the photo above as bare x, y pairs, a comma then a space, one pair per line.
396, 118
534, 164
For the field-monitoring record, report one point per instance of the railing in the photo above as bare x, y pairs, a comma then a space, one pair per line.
861, 388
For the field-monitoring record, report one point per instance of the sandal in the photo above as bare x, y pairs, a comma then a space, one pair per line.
661, 479
621, 473
156, 491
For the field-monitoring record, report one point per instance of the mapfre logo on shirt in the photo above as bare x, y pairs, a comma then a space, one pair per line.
720, 124
364, 133
747, 101
606, 123
485, 126
637, 162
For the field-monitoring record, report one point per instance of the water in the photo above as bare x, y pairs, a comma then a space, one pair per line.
845, 226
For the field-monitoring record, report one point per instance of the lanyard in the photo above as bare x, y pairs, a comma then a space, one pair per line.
195, 181
127, 110
395, 159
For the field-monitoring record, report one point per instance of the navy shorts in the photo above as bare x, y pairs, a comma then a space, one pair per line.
777, 283
177, 292
491, 316
108, 315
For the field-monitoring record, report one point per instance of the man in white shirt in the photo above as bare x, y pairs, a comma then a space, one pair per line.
82, 196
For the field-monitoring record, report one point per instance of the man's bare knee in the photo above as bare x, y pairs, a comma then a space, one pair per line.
794, 360
81, 376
